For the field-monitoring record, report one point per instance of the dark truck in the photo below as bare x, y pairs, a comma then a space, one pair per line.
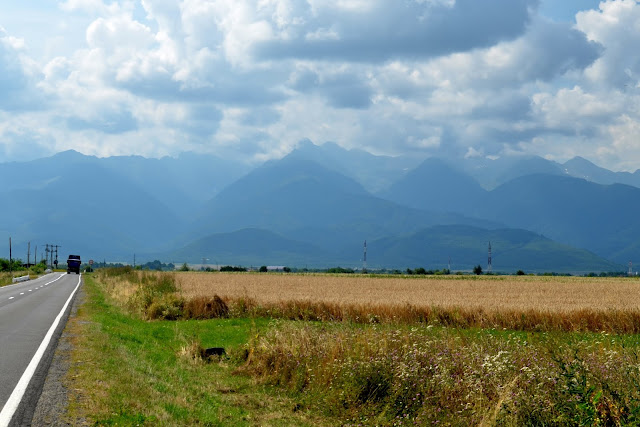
73, 264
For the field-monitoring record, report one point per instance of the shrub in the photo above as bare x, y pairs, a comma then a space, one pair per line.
232, 268
165, 307
340, 270
205, 308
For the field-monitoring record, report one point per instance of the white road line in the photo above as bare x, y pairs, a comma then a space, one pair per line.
30, 290
18, 392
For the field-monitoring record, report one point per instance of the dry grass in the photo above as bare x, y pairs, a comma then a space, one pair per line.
511, 302
489, 293
517, 303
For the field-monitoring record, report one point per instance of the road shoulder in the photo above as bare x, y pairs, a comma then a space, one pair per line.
53, 402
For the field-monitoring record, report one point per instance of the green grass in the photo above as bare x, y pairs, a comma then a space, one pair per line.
6, 278
131, 371
401, 374
127, 371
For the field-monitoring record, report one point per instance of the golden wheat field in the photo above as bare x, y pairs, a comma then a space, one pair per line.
553, 294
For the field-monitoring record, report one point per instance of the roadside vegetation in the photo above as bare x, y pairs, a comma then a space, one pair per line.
129, 371
9, 270
329, 359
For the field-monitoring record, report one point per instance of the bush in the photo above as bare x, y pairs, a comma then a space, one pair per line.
166, 307
340, 270
231, 268
206, 308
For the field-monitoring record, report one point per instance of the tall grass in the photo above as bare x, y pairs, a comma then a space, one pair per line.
530, 304
126, 372
486, 292
386, 361
378, 375
536, 320
155, 295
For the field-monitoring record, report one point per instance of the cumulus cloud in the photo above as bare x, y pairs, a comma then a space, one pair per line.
254, 77
616, 25
380, 30
16, 74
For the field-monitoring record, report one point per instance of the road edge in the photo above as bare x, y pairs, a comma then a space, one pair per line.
33, 408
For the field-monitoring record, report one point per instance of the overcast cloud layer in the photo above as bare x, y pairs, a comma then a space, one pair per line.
251, 78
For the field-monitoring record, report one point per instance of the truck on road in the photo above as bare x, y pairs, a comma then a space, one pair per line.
73, 264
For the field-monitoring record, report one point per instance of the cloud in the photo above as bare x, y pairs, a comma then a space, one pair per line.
17, 75
380, 30
615, 25
343, 87
251, 78
115, 123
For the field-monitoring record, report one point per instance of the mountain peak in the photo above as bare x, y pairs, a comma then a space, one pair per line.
578, 160
70, 154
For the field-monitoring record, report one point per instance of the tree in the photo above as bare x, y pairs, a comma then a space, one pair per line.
184, 267
477, 270
520, 273
263, 269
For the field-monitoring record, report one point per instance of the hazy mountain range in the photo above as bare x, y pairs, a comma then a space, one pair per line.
318, 205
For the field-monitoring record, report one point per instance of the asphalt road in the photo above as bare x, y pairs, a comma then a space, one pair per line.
27, 312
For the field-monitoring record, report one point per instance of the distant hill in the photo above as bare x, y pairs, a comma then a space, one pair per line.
581, 168
306, 201
374, 173
512, 250
599, 218
436, 186
86, 209
183, 184
430, 248
493, 173
312, 207
251, 247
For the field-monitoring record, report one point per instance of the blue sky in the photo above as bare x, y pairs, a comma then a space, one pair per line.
251, 78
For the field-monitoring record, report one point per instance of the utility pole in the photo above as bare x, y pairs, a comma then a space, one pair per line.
28, 254
489, 266
46, 251
10, 259
56, 261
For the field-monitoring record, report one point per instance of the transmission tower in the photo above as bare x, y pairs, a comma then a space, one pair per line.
489, 266
364, 258
630, 269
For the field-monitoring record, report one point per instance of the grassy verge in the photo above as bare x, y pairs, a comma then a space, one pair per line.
395, 375
126, 371
7, 278
372, 372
